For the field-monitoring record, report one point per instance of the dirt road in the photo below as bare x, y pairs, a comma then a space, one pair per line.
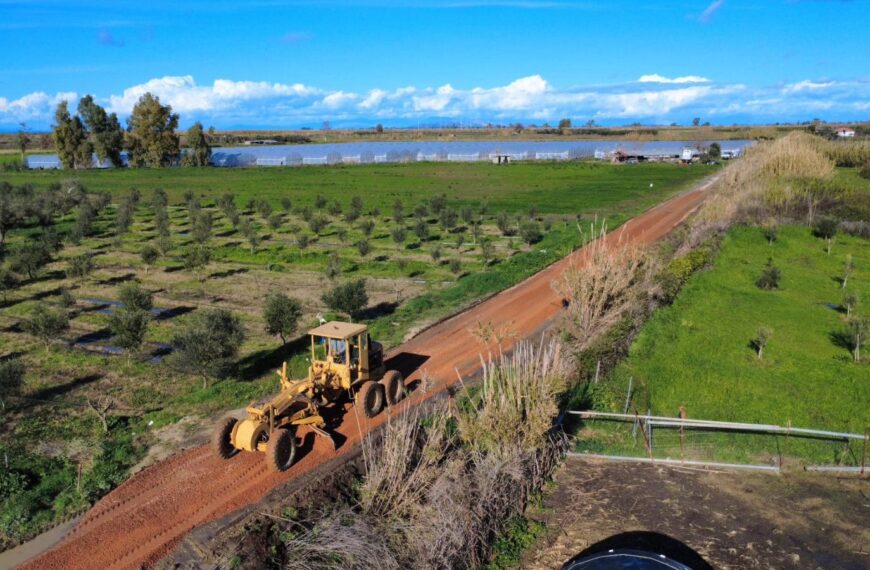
145, 517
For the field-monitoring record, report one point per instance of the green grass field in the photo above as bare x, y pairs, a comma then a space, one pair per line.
554, 187
697, 353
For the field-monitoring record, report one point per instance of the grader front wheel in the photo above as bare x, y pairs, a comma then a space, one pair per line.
370, 397
281, 449
221, 439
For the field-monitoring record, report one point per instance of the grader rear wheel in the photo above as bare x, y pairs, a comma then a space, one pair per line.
281, 449
221, 439
370, 397
394, 386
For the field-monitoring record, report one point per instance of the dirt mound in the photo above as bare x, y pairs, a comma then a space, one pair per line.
144, 518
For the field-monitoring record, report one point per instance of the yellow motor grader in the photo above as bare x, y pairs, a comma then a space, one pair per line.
344, 362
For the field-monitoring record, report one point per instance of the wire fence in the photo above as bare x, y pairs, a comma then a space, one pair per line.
681, 440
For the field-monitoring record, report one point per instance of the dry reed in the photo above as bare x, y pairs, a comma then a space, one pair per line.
601, 290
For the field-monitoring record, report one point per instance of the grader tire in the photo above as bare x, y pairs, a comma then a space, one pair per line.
221, 439
394, 387
281, 449
370, 398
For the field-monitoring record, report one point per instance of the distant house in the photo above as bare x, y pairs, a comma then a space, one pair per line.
845, 132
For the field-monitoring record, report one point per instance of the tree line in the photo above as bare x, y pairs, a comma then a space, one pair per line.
150, 138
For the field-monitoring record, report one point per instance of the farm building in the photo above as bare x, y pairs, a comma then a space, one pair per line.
846, 132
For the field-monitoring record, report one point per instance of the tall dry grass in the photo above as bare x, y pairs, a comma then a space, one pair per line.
439, 488
518, 399
602, 289
848, 153
787, 179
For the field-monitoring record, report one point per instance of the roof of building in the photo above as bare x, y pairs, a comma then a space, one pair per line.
338, 329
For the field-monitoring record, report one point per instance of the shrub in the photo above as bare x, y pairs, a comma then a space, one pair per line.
363, 247
317, 223
455, 266
333, 266
208, 345
11, 376
399, 234
857, 330
436, 253
202, 226
149, 255
826, 228
264, 208
421, 229
287, 203
134, 297
46, 324
275, 221
770, 229
196, 258
349, 298
770, 276
129, 325
865, 171
760, 340
675, 274
66, 299
503, 223
8, 281
320, 201
281, 314
850, 303
79, 267
30, 258
530, 233
367, 227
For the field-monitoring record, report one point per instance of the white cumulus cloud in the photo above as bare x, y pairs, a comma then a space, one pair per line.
656, 78
651, 98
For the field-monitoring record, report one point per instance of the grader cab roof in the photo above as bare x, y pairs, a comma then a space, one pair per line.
338, 329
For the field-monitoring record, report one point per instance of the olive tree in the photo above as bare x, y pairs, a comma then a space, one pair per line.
348, 298
11, 376
281, 314
208, 344
46, 324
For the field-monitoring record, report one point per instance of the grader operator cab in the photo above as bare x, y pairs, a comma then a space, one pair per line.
345, 362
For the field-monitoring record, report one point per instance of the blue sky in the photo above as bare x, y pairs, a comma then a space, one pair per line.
286, 63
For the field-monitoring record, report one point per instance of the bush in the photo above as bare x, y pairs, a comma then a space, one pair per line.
8, 281
349, 298
134, 297
208, 345
79, 267
149, 255
196, 258
11, 376
46, 324
30, 258
676, 273
363, 247
770, 276
455, 266
530, 233
865, 171
66, 299
281, 314
129, 325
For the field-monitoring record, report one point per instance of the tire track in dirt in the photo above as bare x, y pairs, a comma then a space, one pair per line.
144, 518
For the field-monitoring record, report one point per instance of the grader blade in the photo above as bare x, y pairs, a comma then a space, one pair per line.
324, 434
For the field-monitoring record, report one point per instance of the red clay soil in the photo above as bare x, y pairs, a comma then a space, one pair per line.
143, 519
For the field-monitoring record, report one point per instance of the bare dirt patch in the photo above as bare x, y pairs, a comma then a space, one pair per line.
732, 520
